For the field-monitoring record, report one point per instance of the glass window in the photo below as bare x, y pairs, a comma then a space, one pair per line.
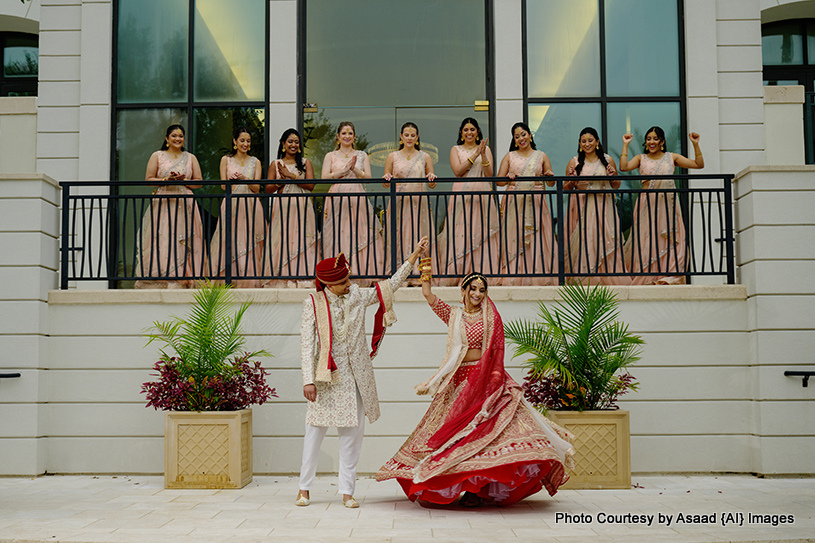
642, 48
139, 133
152, 56
563, 48
230, 51
810, 42
556, 128
782, 44
153, 70
212, 132
636, 118
21, 56
640, 59
355, 57
21, 59
377, 130
155, 77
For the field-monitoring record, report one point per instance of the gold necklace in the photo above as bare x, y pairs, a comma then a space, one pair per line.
472, 314
349, 153
407, 156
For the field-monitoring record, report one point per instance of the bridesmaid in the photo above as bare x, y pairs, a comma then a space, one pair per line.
350, 224
595, 239
413, 215
527, 215
248, 225
657, 242
172, 235
293, 226
470, 238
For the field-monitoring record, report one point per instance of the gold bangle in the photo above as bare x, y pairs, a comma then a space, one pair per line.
425, 278
487, 163
624, 154
470, 160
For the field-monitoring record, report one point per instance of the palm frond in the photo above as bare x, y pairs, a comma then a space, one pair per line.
580, 344
205, 339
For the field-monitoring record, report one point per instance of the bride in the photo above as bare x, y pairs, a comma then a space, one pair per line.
478, 436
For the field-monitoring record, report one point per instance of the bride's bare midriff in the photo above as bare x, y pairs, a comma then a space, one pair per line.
472, 354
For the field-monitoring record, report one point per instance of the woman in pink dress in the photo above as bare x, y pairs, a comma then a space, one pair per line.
293, 226
414, 214
172, 235
528, 237
657, 244
479, 437
595, 239
350, 224
470, 237
248, 226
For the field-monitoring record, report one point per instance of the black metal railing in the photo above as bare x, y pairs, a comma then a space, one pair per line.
523, 235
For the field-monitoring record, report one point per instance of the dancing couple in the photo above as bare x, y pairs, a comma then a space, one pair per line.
478, 438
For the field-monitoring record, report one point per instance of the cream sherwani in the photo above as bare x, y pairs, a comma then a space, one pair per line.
344, 402
336, 403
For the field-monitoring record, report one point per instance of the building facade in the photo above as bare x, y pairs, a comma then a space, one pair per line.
114, 73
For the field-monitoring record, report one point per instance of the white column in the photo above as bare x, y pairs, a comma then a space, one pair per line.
509, 105
784, 124
29, 233
283, 70
775, 236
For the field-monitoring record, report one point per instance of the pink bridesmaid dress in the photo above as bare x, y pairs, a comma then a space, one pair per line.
657, 242
248, 231
594, 242
413, 214
350, 224
529, 216
470, 241
292, 235
172, 235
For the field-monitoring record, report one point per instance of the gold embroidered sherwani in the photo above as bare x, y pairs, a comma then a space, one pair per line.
336, 403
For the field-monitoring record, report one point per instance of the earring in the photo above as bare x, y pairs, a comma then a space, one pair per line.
234, 146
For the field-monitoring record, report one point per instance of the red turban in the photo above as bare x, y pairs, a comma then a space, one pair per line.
332, 271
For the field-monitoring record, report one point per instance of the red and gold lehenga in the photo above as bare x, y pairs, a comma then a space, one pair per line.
478, 434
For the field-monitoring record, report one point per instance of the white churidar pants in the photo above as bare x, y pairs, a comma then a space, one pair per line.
350, 449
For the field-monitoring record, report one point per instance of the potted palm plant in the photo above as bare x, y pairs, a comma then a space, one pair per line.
206, 384
578, 356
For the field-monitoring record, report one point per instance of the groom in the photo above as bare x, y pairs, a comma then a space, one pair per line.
338, 376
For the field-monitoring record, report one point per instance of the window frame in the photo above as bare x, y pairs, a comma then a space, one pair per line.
489, 59
17, 84
190, 105
604, 99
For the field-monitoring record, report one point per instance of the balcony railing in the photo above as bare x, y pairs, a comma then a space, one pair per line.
524, 235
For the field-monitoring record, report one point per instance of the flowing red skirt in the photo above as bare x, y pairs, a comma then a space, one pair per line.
511, 482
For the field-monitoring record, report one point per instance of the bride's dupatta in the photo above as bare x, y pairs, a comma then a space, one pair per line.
475, 417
